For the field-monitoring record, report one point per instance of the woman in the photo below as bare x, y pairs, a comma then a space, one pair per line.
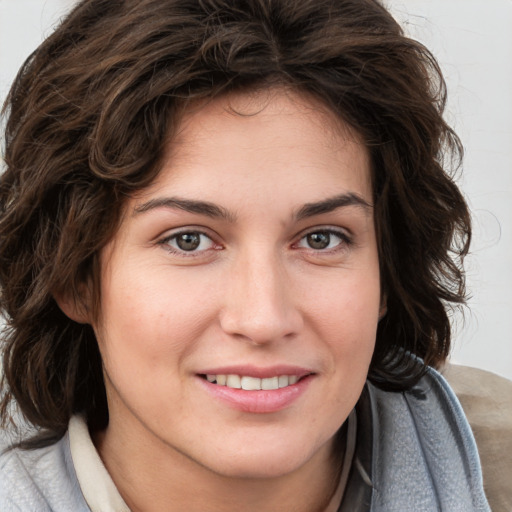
228, 247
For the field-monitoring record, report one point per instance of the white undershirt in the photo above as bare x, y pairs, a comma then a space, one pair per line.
97, 486
348, 456
102, 495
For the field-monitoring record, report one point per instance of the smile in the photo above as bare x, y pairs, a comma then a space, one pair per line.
248, 383
269, 393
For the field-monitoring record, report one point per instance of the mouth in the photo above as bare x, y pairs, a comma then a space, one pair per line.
249, 383
271, 391
257, 389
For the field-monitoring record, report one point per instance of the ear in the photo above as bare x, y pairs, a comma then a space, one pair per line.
383, 307
75, 307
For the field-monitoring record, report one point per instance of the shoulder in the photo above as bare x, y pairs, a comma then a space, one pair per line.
425, 456
17, 489
41, 479
487, 402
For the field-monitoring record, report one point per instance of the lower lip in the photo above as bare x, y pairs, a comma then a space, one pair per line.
261, 401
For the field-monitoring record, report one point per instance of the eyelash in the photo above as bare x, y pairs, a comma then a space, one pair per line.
165, 242
345, 241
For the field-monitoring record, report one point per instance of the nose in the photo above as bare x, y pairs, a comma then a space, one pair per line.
259, 302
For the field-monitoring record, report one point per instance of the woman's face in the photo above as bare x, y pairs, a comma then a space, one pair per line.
250, 261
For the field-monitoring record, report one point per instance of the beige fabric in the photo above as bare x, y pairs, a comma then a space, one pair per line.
487, 402
348, 456
98, 489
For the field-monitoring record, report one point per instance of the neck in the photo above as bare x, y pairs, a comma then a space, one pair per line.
169, 480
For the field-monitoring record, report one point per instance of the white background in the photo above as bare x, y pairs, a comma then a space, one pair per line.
473, 41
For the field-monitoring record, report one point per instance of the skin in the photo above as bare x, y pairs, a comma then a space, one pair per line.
254, 293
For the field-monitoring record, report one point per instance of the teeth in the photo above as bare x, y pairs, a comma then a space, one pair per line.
253, 383
233, 381
271, 383
283, 381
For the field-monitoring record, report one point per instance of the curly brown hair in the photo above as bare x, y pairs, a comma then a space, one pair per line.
88, 118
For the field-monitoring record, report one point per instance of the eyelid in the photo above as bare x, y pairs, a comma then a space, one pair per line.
173, 234
343, 234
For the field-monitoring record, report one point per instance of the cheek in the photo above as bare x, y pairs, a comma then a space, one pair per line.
345, 313
149, 317
345, 303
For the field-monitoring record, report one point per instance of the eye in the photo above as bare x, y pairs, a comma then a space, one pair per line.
323, 240
188, 242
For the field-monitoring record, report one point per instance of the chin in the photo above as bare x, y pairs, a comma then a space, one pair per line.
264, 460
260, 468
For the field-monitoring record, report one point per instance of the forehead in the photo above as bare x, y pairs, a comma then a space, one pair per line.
276, 135
266, 111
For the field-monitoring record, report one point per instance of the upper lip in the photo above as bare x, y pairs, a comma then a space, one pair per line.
258, 372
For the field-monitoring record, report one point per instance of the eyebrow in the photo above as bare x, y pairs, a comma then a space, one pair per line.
215, 211
188, 205
332, 203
